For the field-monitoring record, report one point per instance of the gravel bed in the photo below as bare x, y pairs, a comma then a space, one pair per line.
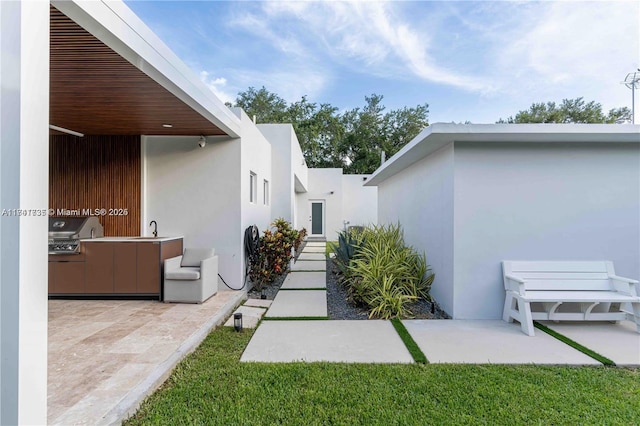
339, 307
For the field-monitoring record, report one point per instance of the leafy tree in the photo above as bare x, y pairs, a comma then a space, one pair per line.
266, 106
569, 111
352, 140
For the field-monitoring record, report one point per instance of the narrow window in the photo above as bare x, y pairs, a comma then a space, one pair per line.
253, 187
265, 188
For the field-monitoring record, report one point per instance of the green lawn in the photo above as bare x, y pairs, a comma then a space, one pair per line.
211, 386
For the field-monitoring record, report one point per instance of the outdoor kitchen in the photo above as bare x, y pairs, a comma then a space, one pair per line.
83, 263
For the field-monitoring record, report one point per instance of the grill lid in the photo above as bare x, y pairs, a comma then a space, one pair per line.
69, 228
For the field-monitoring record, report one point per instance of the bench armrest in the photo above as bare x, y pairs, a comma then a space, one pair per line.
625, 285
172, 263
515, 284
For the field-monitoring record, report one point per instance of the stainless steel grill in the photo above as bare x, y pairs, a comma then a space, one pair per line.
65, 233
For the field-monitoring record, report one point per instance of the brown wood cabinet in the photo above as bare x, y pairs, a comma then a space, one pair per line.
120, 268
149, 268
125, 263
67, 273
99, 267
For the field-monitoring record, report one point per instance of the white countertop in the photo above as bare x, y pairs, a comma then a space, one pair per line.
131, 239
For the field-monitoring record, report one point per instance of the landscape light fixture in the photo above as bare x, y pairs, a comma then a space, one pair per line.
632, 81
202, 142
63, 130
237, 321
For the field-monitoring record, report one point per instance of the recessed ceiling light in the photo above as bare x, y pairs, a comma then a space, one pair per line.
168, 126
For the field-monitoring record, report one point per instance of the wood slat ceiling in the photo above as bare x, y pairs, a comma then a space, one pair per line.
95, 91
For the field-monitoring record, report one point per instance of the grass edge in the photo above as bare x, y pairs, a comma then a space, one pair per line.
577, 346
418, 356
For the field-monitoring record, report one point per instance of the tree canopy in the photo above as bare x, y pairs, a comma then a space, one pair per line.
355, 139
352, 140
569, 111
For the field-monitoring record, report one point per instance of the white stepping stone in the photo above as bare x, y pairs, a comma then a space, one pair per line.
250, 316
312, 256
258, 303
309, 265
313, 250
299, 303
305, 280
489, 342
315, 244
330, 341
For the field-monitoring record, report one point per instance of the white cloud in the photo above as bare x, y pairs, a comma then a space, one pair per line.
369, 36
290, 83
217, 85
571, 49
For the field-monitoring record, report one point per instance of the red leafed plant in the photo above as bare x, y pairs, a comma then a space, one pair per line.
274, 254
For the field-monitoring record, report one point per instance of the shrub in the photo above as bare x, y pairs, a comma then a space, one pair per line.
274, 253
299, 239
349, 242
386, 275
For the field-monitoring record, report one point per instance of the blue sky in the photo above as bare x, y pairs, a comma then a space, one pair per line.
476, 61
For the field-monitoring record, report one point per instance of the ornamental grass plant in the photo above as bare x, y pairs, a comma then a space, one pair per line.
381, 271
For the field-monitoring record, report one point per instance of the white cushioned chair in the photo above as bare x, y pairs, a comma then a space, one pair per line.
192, 277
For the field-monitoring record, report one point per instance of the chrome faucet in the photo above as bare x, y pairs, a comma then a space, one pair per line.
155, 228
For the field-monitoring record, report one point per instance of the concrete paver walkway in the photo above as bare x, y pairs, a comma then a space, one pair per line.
298, 303
305, 280
320, 250
309, 265
311, 256
489, 342
442, 341
618, 342
332, 341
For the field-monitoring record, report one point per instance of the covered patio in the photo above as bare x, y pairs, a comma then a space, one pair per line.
106, 356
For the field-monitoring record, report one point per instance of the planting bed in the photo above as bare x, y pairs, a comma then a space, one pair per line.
340, 308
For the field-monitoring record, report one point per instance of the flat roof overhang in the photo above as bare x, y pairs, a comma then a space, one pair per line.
438, 135
111, 75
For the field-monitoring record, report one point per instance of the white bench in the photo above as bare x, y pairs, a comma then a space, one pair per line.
592, 288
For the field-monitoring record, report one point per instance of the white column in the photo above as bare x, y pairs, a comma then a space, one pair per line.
24, 170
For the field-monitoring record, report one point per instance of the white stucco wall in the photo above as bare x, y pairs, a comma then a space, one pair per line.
24, 185
203, 193
195, 192
256, 157
359, 203
320, 185
289, 170
470, 205
350, 200
541, 202
420, 198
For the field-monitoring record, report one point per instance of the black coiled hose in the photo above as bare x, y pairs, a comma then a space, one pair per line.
251, 249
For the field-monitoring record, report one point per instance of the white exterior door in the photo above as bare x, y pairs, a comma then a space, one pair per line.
317, 218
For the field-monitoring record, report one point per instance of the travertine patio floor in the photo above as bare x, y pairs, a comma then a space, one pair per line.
105, 356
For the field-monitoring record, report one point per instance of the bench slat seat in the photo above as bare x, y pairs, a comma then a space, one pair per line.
591, 287
579, 296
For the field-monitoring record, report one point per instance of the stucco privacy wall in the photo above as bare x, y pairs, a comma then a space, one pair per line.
359, 203
289, 170
345, 198
420, 198
24, 165
541, 202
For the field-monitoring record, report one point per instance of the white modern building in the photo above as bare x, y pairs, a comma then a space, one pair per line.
335, 201
140, 133
471, 196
